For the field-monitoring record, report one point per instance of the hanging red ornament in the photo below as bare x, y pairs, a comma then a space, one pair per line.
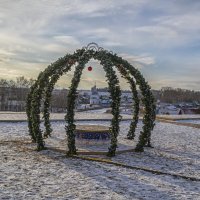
89, 68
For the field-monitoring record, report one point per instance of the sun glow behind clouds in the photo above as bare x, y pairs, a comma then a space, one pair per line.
161, 38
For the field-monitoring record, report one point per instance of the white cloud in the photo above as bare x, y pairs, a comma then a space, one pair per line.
143, 59
66, 39
175, 83
158, 31
35, 33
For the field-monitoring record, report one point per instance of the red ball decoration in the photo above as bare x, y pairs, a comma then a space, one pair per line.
89, 68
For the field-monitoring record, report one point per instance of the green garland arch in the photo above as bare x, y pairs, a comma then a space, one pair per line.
136, 108
47, 79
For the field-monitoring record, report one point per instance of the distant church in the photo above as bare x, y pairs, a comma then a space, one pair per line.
94, 97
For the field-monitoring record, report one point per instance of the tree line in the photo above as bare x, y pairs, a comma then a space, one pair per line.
166, 94
20, 82
170, 95
177, 95
13, 95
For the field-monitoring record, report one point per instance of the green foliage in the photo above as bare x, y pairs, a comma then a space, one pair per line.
44, 86
36, 96
28, 111
20, 82
70, 127
115, 92
60, 70
147, 100
136, 107
125, 74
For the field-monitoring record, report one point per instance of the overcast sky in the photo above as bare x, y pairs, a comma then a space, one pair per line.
161, 38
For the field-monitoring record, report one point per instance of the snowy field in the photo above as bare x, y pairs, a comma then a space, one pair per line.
87, 115
179, 117
28, 174
190, 121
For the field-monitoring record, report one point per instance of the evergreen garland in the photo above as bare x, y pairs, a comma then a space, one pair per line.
37, 95
35, 113
28, 111
133, 125
115, 92
147, 100
136, 108
49, 77
71, 100
153, 118
48, 93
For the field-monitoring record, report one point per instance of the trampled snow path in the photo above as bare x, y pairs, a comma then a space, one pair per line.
27, 174
88, 115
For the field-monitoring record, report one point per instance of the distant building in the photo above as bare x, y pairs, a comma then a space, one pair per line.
94, 97
105, 100
127, 98
168, 109
59, 100
13, 99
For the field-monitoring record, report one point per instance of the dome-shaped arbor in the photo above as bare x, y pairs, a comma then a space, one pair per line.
44, 85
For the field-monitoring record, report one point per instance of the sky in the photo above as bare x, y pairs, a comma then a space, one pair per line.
161, 38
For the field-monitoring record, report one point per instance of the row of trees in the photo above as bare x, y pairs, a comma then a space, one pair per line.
166, 94
171, 95
20, 82
13, 94
176, 95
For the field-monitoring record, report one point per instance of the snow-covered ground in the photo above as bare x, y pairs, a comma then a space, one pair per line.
87, 115
189, 121
177, 117
28, 174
